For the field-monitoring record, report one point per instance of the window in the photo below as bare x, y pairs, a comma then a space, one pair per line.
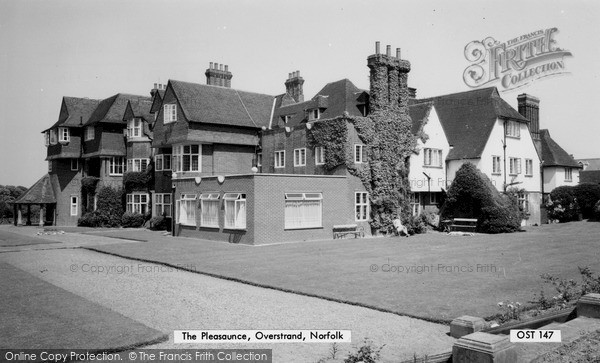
209, 204
286, 118
299, 157
513, 129
170, 113
162, 204
137, 203
74, 164
496, 166
63, 134
568, 174
280, 159
319, 155
433, 157
116, 165
47, 138
415, 203
52, 137
528, 167
314, 114
134, 128
360, 154
89, 133
235, 210
49, 166
515, 166
74, 205
433, 198
259, 159
137, 164
523, 198
361, 206
162, 162
187, 157
187, 210
303, 210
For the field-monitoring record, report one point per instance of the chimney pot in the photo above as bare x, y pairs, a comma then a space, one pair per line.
155, 85
210, 65
289, 76
398, 53
388, 50
377, 47
226, 68
221, 66
216, 65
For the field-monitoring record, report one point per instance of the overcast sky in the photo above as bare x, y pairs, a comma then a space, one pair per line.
50, 49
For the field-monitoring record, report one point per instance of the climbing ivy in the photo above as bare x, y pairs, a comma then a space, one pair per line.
332, 136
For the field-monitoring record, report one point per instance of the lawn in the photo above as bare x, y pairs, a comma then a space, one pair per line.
8, 239
433, 276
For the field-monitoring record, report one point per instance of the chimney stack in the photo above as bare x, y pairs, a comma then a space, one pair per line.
389, 77
529, 107
412, 93
217, 76
293, 86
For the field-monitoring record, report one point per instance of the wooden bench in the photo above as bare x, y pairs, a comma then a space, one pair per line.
342, 230
468, 224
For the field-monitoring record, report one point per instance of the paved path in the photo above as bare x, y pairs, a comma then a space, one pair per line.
168, 300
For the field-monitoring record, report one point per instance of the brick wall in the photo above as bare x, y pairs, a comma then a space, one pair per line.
65, 183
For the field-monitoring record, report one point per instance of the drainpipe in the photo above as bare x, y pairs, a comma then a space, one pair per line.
504, 153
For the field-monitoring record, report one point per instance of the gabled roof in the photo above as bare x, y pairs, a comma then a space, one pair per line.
592, 164
74, 111
335, 99
469, 117
40, 193
112, 109
138, 108
157, 100
553, 154
222, 105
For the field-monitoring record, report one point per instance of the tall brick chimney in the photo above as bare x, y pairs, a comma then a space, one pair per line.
529, 107
293, 86
389, 77
216, 75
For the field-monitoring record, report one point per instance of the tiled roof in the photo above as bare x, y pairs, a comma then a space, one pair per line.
40, 193
553, 154
222, 105
74, 111
468, 118
592, 164
589, 176
336, 98
139, 108
112, 109
157, 100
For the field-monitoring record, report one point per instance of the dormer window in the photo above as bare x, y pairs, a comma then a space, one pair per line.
89, 133
53, 137
170, 113
314, 114
134, 128
63, 135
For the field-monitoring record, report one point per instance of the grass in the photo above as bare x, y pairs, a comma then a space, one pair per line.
8, 239
442, 277
37, 314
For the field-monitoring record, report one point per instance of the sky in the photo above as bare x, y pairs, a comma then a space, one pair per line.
55, 48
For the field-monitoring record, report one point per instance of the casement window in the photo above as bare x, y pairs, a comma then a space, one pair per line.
361, 206
209, 206
299, 157
89, 133
259, 159
515, 166
162, 204
528, 167
186, 210
74, 164
74, 205
360, 154
415, 203
523, 198
134, 128
170, 113
314, 114
496, 166
280, 159
432, 157
137, 164
513, 129
49, 166
137, 203
53, 137
235, 210
116, 165
303, 210
568, 174
162, 162
319, 155
63, 134
47, 138
187, 157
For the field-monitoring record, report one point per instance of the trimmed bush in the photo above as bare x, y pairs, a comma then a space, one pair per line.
159, 224
136, 181
109, 209
587, 195
417, 224
472, 195
132, 220
597, 211
562, 205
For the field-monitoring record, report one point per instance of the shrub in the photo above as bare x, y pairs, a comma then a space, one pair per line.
132, 220
597, 211
366, 354
509, 311
417, 224
562, 204
472, 195
95, 219
88, 184
159, 224
136, 181
109, 209
587, 195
